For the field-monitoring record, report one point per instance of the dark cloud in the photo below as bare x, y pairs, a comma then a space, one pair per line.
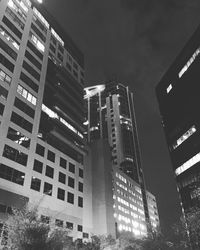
134, 41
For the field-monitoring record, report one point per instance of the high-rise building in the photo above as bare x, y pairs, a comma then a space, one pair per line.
111, 121
178, 99
41, 115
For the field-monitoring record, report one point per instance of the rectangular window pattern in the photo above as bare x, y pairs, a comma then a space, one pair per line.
63, 163
48, 188
40, 150
3, 92
1, 108
38, 166
11, 174
80, 201
31, 71
71, 168
69, 225
32, 59
12, 27
7, 49
5, 77
35, 184
184, 137
13, 42
61, 194
26, 94
20, 121
15, 155
24, 107
62, 178
49, 171
70, 198
70, 182
14, 18
18, 138
29, 82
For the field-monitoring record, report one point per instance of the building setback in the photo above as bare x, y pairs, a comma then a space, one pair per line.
42, 147
178, 98
112, 123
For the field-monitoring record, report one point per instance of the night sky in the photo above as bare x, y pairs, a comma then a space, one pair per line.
135, 42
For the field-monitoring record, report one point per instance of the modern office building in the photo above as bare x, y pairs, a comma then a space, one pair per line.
111, 119
41, 115
178, 98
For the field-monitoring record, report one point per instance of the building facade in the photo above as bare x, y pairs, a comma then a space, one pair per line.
178, 99
111, 117
42, 146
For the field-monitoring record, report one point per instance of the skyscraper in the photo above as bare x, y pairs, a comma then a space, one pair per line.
178, 100
41, 115
111, 118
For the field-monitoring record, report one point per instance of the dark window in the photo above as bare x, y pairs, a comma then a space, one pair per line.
61, 48
39, 150
52, 48
62, 178
61, 194
48, 188
31, 71
35, 184
18, 137
3, 209
12, 27
80, 201
29, 82
33, 60
39, 24
1, 108
38, 166
59, 223
79, 228
45, 219
80, 186
80, 172
51, 156
71, 167
20, 121
39, 33
70, 182
3, 92
35, 50
15, 155
5, 62
49, 171
6, 48
70, 197
11, 174
69, 225
15, 18
53, 40
85, 235
24, 107
63, 163
60, 57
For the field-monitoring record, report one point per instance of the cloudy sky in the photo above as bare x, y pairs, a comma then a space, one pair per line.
134, 41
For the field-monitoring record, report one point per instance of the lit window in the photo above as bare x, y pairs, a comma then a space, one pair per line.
57, 36
189, 62
27, 95
37, 43
41, 17
169, 88
22, 5
9, 38
188, 164
184, 137
4, 77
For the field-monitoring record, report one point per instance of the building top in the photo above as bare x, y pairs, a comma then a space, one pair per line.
64, 38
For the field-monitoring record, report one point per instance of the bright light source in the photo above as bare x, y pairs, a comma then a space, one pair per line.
40, 1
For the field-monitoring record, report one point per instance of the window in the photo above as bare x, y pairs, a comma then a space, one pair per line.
169, 88
61, 49
63, 163
39, 24
53, 40
38, 14
71, 167
70, 182
24, 107
62, 178
15, 155
1, 108
79, 228
3, 92
34, 50
12, 27
14, 17
31, 71
17, 10
70, 197
45, 219
60, 57
61, 194
59, 223
18, 138
49, 171
69, 225
38, 166
29, 82
20, 121
26, 94
7, 49
39, 45
51, 156
85, 235
185, 136
11, 174
33, 60
40, 150
48, 188
80, 172
5, 77
80, 201
80, 186
52, 48
35, 184
36, 30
